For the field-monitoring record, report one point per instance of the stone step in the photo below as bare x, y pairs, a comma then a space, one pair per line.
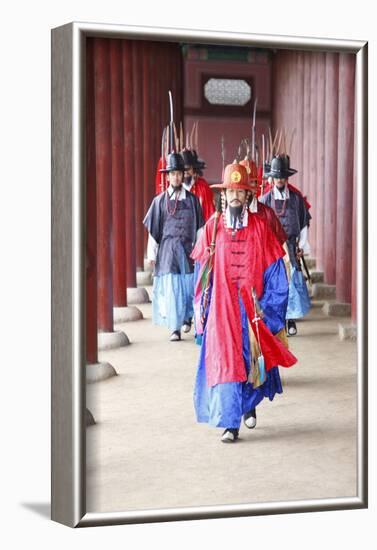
322, 291
317, 276
143, 278
317, 304
336, 309
310, 262
347, 332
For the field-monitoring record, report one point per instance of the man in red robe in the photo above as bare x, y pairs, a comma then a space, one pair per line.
196, 184
242, 278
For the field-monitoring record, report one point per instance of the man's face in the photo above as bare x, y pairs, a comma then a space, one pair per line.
280, 182
253, 186
189, 173
175, 178
236, 197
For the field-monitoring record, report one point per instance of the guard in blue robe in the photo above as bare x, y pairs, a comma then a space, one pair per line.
173, 221
294, 216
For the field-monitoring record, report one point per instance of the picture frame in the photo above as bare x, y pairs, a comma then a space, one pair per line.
68, 273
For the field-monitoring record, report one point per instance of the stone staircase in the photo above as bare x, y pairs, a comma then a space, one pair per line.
324, 296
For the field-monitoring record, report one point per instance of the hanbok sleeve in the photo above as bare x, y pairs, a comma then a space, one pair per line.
152, 249
304, 213
274, 300
153, 218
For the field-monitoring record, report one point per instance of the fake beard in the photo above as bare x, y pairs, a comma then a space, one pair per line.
177, 187
281, 187
235, 215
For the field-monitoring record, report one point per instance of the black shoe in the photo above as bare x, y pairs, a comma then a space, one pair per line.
175, 336
250, 419
230, 435
291, 328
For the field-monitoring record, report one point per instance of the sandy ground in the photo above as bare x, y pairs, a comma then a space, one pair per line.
147, 451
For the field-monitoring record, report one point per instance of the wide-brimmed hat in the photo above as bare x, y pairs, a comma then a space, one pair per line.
235, 177
251, 168
188, 157
200, 164
279, 168
174, 162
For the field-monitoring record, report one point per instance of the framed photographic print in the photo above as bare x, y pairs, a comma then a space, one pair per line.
209, 279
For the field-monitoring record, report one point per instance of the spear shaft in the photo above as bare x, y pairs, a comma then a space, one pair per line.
253, 130
171, 121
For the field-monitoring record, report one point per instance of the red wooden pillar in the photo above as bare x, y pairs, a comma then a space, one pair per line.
293, 110
331, 166
277, 84
284, 94
131, 161
137, 67
299, 136
117, 162
345, 177
354, 251
313, 152
320, 234
155, 114
147, 131
306, 130
91, 213
103, 177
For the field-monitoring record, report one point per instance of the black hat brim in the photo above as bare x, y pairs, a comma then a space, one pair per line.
174, 169
280, 173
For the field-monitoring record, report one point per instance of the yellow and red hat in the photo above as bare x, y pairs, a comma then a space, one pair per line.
235, 177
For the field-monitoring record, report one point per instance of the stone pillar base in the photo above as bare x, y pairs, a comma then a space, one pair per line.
95, 372
320, 291
347, 331
89, 418
137, 296
144, 278
126, 314
336, 309
112, 340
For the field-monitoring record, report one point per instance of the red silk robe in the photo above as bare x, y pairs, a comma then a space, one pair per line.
160, 178
239, 263
202, 190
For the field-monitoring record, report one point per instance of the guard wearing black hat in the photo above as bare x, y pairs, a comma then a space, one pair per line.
290, 207
196, 184
173, 220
